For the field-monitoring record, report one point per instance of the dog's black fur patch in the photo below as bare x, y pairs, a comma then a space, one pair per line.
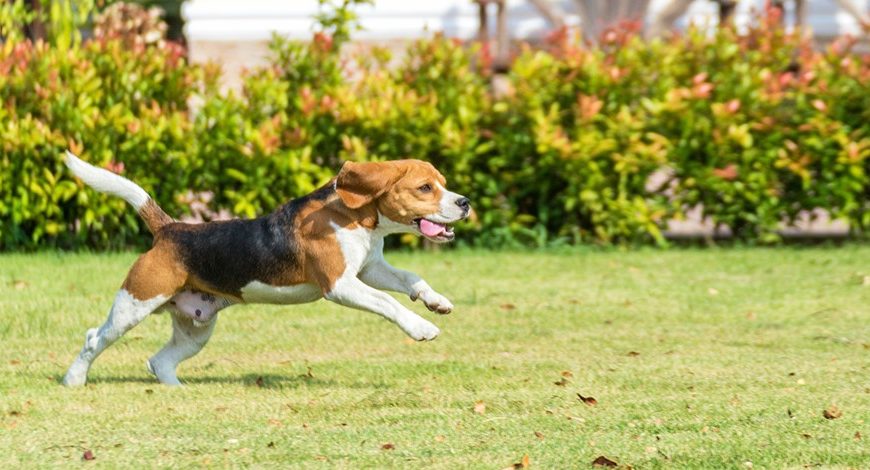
227, 255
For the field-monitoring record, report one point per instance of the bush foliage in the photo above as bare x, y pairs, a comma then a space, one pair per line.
587, 144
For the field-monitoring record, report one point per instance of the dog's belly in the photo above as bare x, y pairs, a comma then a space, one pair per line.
258, 292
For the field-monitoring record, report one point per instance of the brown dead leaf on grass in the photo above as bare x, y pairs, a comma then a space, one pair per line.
479, 407
539, 435
561, 382
832, 412
88, 455
603, 461
633, 354
857, 435
567, 374
388, 446
525, 462
508, 306
591, 401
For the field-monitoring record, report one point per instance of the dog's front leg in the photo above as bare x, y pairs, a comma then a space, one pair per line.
381, 275
352, 292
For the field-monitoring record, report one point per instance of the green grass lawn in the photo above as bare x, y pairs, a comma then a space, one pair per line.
701, 359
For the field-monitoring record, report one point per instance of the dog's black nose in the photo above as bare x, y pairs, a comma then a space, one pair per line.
464, 203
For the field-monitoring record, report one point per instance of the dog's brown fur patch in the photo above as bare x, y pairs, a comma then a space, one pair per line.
403, 201
157, 272
154, 216
323, 261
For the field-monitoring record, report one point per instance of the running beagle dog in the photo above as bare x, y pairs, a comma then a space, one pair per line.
327, 244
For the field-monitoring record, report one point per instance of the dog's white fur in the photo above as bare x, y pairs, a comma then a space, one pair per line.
107, 182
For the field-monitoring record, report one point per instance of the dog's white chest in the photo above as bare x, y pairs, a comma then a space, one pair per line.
257, 292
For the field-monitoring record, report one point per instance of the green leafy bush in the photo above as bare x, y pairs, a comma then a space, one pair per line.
584, 144
126, 108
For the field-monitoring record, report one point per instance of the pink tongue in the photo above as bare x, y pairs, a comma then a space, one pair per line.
431, 229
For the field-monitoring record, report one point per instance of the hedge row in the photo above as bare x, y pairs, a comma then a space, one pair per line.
602, 144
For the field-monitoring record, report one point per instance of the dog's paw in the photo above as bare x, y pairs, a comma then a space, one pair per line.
421, 330
77, 374
435, 302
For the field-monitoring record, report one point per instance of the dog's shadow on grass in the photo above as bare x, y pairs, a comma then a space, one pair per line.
264, 381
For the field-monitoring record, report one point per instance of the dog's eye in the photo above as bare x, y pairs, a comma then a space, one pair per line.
426, 188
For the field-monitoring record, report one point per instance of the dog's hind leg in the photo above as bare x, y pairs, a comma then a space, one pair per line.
126, 313
152, 281
187, 340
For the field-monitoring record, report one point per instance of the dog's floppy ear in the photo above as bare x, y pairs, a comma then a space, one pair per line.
358, 184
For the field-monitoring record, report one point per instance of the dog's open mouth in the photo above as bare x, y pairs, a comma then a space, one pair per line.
434, 231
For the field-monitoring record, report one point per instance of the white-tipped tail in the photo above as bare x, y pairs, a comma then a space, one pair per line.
107, 182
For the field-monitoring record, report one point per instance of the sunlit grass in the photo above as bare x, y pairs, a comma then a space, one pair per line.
702, 359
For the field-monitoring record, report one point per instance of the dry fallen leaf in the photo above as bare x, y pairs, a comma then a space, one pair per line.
633, 354
567, 374
388, 446
806, 436
480, 407
523, 463
832, 412
588, 400
508, 306
271, 444
857, 435
88, 455
603, 461
561, 382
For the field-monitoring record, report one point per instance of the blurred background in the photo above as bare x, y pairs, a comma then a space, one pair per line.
566, 122
237, 33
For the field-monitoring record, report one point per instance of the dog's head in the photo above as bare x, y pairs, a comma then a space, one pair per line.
409, 194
